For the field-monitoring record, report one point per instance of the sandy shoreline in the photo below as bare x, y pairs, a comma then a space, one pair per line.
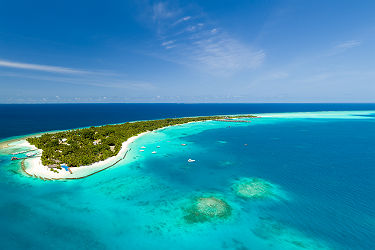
354, 114
6, 143
34, 166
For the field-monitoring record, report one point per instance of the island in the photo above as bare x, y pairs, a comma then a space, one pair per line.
94, 145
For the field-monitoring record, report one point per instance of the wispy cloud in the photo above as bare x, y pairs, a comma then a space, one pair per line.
161, 11
186, 18
183, 19
39, 67
71, 76
167, 43
226, 53
348, 44
96, 81
194, 41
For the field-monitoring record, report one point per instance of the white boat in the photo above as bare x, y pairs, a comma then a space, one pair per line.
141, 150
154, 152
191, 160
183, 144
158, 146
143, 147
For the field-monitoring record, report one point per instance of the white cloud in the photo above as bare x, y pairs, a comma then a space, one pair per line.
183, 19
226, 54
167, 43
348, 44
198, 43
39, 67
161, 11
191, 28
88, 80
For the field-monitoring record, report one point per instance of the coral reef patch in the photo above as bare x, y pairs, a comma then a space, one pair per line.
205, 209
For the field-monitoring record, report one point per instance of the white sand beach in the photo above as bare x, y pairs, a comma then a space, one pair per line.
321, 114
34, 166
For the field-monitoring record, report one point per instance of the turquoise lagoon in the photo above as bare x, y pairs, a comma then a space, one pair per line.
315, 173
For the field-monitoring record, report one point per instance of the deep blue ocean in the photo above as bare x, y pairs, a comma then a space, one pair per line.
322, 168
21, 119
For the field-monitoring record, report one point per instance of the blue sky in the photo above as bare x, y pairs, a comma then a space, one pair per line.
187, 51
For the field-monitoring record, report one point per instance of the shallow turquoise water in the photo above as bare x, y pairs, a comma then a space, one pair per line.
323, 169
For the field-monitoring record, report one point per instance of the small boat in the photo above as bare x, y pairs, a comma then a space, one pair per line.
191, 160
158, 146
154, 152
14, 158
183, 144
142, 150
143, 147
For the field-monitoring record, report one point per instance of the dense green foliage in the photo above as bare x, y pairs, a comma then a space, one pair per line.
81, 147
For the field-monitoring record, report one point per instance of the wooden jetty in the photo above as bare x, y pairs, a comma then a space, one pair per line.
23, 158
22, 152
18, 158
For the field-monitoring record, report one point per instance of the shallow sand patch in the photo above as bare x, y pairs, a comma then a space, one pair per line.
255, 188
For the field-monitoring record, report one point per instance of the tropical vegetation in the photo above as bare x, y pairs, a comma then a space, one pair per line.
85, 146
